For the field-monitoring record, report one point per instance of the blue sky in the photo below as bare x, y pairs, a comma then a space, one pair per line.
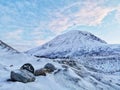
25, 24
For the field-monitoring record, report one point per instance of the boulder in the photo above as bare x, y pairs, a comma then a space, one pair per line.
49, 67
28, 67
22, 76
40, 72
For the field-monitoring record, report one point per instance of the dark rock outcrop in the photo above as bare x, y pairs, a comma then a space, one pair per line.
49, 67
40, 72
26, 72
28, 67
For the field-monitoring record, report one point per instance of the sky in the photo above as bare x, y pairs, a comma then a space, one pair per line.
26, 24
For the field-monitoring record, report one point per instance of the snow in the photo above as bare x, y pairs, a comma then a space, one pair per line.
6, 49
84, 47
74, 44
92, 72
73, 78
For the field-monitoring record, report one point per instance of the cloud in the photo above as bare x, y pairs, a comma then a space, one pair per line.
117, 16
40, 42
88, 13
60, 24
16, 35
40, 21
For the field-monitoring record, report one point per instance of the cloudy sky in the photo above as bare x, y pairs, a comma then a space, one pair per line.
25, 24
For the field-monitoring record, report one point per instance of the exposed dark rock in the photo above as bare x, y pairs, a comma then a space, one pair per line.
49, 67
28, 67
71, 63
10, 80
57, 71
11, 65
22, 76
40, 72
38, 60
64, 66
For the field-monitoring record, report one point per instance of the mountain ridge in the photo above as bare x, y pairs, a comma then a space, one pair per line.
73, 43
97, 73
7, 48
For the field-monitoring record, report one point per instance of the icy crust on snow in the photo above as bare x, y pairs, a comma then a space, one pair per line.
75, 77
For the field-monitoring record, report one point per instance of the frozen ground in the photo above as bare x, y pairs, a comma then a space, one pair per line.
98, 70
75, 77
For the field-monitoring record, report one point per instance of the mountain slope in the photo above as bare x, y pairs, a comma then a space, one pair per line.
73, 44
68, 76
4, 48
84, 74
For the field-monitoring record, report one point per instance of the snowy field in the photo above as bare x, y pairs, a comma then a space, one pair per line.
71, 78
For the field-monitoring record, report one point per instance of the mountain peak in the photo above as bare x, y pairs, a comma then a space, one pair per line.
76, 38
68, 44
84, 34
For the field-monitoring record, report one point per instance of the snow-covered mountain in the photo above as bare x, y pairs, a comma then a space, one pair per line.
6, 49
74, 44
84, 47
97, 70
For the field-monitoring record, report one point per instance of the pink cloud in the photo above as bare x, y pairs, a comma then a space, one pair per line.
40, 42
91, 13
59, 24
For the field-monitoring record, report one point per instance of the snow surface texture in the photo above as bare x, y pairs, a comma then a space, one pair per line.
84, 47
92, 65
75, 44
6, 49
66, 77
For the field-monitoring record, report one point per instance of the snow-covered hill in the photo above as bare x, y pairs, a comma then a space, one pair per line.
98, 70
74, 44
6, 49
68, 76
84, 47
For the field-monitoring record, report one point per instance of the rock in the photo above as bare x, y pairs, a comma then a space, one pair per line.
11, 65
40, 72
49, 67
57, 71
22, 76
28, 67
